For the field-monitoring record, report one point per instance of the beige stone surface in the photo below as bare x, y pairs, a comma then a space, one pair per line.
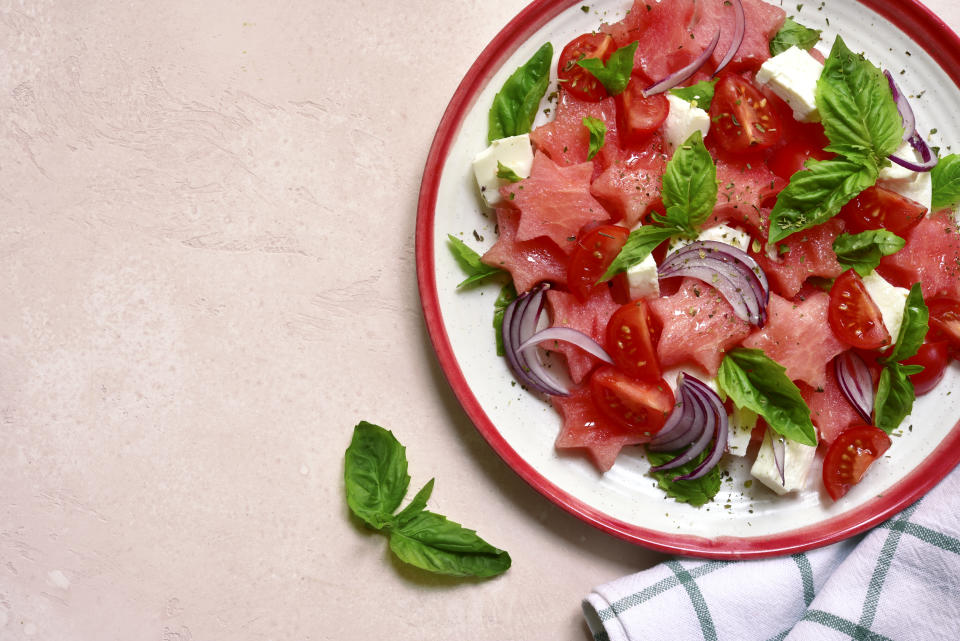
207, 213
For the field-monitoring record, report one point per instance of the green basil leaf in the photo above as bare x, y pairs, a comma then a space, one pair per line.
863, 251
508, 294
640, 243
895, 396
817, 194
793, 34
415, 507
432, 542
690, 184
946, 183
598, 135
916, 321
469, 261
615, 74
756, 382
516, 105
857, 109
699, 95
695, 492
505, 173
375, 474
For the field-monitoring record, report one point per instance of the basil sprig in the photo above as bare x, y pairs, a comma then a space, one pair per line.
615, 73
598, 135
793, 34
695, 492
376, 480
945, 177
756, 382
689, 195
895, 393
516, 104
863, 125
469, 262
863, 251
699, 95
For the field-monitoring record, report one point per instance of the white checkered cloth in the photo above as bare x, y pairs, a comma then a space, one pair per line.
900, 581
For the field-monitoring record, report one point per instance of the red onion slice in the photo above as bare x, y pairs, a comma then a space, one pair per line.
719, 437
856, 383
903, 106
681, 75
928, 160
738, 30
695, 419
779, 455
567, 335
730, 285
519, 323
707, 419
729, 253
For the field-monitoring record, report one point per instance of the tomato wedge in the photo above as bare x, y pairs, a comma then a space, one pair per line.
591, 257
637, 115
741, 119
632, 341
639, 406
854, 317
934, 358
576, 80
945, 322
850, 455
880, 208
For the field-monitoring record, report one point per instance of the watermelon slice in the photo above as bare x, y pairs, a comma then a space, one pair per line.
530, 261
930, 257
585, 428
763, 21
808, 253
663, 32
743, 190
590, 317
830, 410
633, 182
567, 141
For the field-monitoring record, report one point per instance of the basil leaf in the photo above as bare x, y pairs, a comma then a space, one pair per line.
505, 173
508, 294
946, 183
640, 243
916, 320
895, 396
756, 382
793, 34
598, 134
375, 474
817, 194
689, 185
432, 542
415, 507
469, 261
695, 492
863, 251
615, 74
857, 109
699, 95
516, 105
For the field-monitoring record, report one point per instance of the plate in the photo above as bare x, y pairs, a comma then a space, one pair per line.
745, 519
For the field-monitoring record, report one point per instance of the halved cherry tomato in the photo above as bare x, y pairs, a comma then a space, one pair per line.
576, 80
880, 208
632, 341
741, 119
788, 159
854, 317
850, 455
639, 406
934, 358
591, 257
639, 116
945, 323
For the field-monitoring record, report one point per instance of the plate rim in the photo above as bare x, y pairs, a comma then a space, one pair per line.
916, 21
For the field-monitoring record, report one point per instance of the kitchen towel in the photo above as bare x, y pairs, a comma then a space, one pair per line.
900, 581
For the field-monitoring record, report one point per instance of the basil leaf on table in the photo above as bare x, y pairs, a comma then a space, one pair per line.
469, 262
515, 105
756, 382
699, 95
415, 506
689, 186
945, 177
432, 542
793, 34
863, 251
508, 294
375, 474
895, 395
695, 492
598, 135
913, 329
615, 74
507, 174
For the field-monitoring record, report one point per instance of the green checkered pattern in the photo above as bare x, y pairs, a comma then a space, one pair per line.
899, 582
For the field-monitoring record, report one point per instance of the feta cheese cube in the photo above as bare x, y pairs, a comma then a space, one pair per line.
741, 424
721, 233
682, 120
643, 279
792, 76
915, 185
797, 461
890, 299
514, 152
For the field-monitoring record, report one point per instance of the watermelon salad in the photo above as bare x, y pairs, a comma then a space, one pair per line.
725, 243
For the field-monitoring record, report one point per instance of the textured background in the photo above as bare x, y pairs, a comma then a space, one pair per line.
206, 247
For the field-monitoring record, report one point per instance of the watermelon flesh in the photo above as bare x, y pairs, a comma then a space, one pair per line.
930, 257
528, 261
590, 317
585, 428
830, 410
632, 183
763, 21
567, 141
809, 253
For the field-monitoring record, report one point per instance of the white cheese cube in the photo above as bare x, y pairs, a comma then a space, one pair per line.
792, 76
890, 299
682, 120
643, 279
721, 233
514, 152
915, 185
797, 461
741, 424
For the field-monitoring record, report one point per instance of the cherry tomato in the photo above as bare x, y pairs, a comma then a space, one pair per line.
934, 358
632, 341
850, 455
854, 317
788, 159
945, 322
741, 119
638, 406
591, 257
637, 115
576, 80
879, 208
